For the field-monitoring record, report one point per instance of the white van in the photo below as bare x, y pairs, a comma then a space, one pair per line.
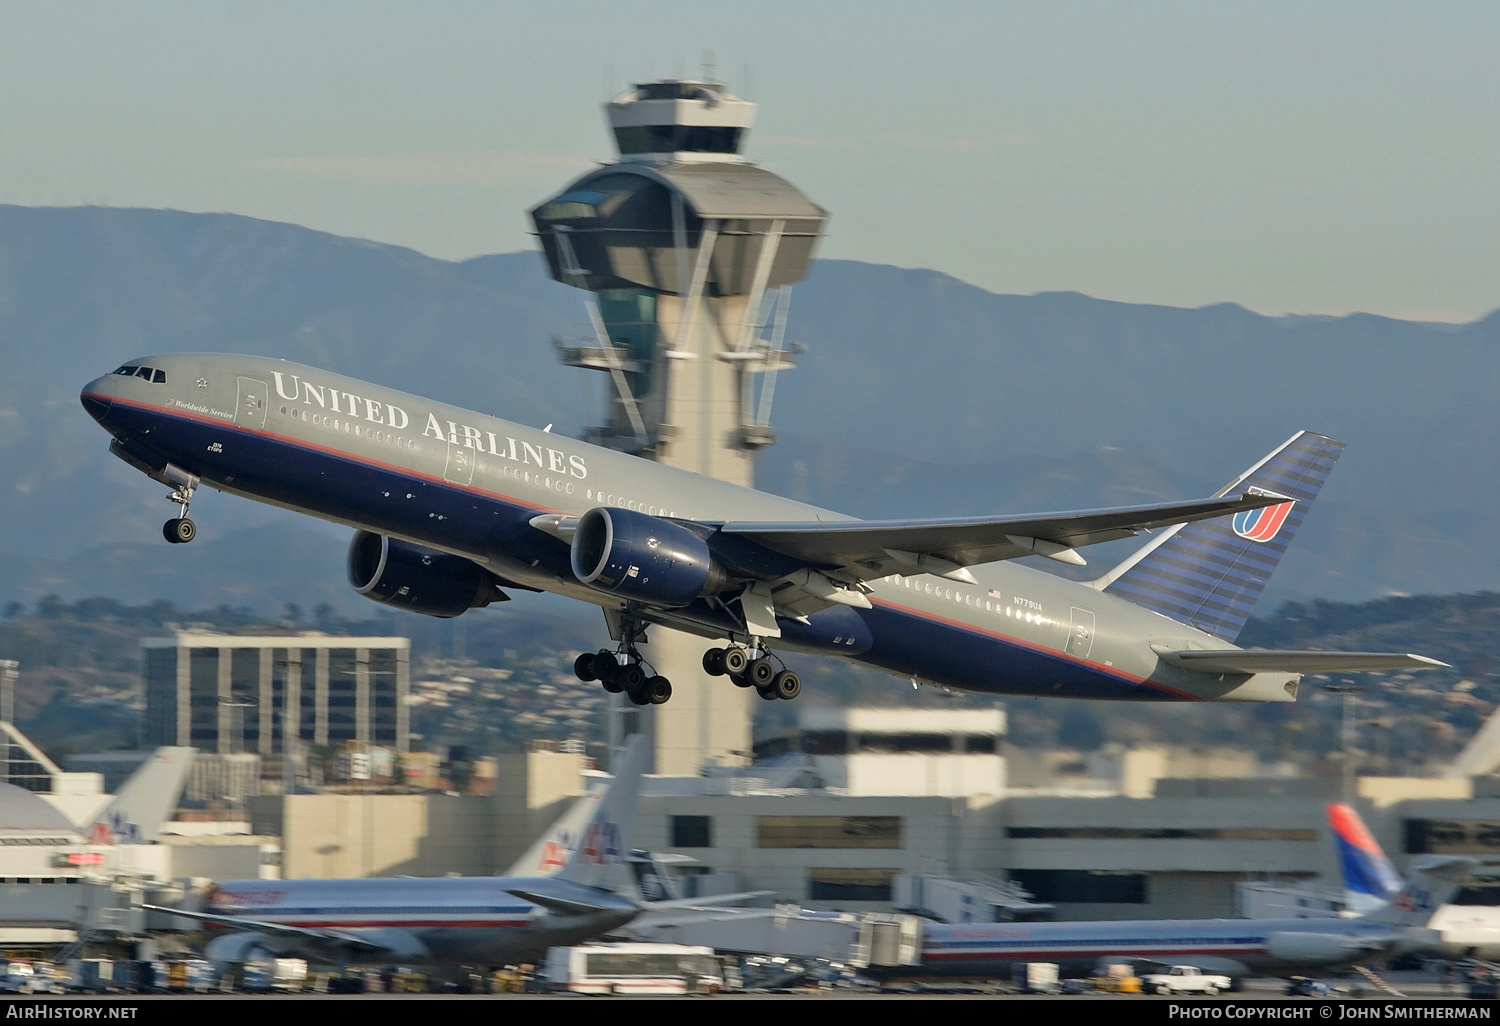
634, 969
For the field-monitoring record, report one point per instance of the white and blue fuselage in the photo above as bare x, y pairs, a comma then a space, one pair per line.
468, 484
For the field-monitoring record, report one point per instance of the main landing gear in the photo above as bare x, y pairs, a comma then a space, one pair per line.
759, 672
625, 672
181, 530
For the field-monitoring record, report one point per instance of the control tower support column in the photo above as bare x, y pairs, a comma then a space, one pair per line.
688, 254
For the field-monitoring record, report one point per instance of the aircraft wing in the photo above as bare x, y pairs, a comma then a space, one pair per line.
270, 929
874, 548
1233, 660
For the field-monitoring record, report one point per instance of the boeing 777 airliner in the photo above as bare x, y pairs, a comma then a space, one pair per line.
450, 507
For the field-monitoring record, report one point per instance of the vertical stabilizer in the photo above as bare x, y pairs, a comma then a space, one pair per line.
1370, 881
595, 855
1210, 573
549, 852
145, 800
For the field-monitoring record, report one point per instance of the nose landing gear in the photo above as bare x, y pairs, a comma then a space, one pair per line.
180, 530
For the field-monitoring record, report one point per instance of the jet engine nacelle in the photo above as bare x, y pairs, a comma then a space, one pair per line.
644, 558
1328, 948
407, 576
239, 947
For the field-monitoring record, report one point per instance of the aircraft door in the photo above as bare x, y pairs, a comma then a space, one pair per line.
460, 467
1081, 633
250, 407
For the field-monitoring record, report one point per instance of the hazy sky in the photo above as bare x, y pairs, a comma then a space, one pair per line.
1292, 157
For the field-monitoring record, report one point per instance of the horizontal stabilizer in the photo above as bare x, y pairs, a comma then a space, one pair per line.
709, 902
1234, 660
563, 906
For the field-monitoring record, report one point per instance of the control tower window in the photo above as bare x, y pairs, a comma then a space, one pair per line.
579, 203
678, 139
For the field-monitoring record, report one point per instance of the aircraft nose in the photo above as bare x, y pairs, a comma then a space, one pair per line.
95, 400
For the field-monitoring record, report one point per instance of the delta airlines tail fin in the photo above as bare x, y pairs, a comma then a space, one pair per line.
145, 800
590, 843
1373, 891
1210, 573
1370, 881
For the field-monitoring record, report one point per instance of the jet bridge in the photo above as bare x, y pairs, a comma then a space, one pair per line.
861, 940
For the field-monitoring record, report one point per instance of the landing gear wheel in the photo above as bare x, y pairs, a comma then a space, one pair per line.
735, 661
658, 690
739, 681
768, 693
713, 662
179, 530
610, 684
602, 664
631, 677
638, 697
787, 685
583, 667
761, 672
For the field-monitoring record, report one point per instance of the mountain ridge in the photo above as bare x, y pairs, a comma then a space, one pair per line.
917, 394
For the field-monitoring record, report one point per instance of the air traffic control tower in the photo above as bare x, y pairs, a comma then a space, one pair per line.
688, 252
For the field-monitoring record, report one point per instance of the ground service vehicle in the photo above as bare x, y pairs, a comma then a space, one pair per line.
634, 969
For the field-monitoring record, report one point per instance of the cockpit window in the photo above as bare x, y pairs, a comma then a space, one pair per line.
151, 374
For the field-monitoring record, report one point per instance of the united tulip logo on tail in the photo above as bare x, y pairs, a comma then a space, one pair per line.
1261, 525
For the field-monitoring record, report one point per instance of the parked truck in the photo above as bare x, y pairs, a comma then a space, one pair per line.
1184, 979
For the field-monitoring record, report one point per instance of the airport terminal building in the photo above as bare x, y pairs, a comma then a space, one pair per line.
230, 694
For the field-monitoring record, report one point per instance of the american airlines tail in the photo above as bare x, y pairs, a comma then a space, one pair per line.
145, 800
1209, 574
1431, 881
1370, 881
591, 841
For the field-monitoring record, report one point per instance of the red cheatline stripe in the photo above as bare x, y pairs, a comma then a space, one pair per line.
1089, 952
303, 443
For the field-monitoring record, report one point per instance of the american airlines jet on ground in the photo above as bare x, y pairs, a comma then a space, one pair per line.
451, 506
574, 893
1233, 947
1390, 916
